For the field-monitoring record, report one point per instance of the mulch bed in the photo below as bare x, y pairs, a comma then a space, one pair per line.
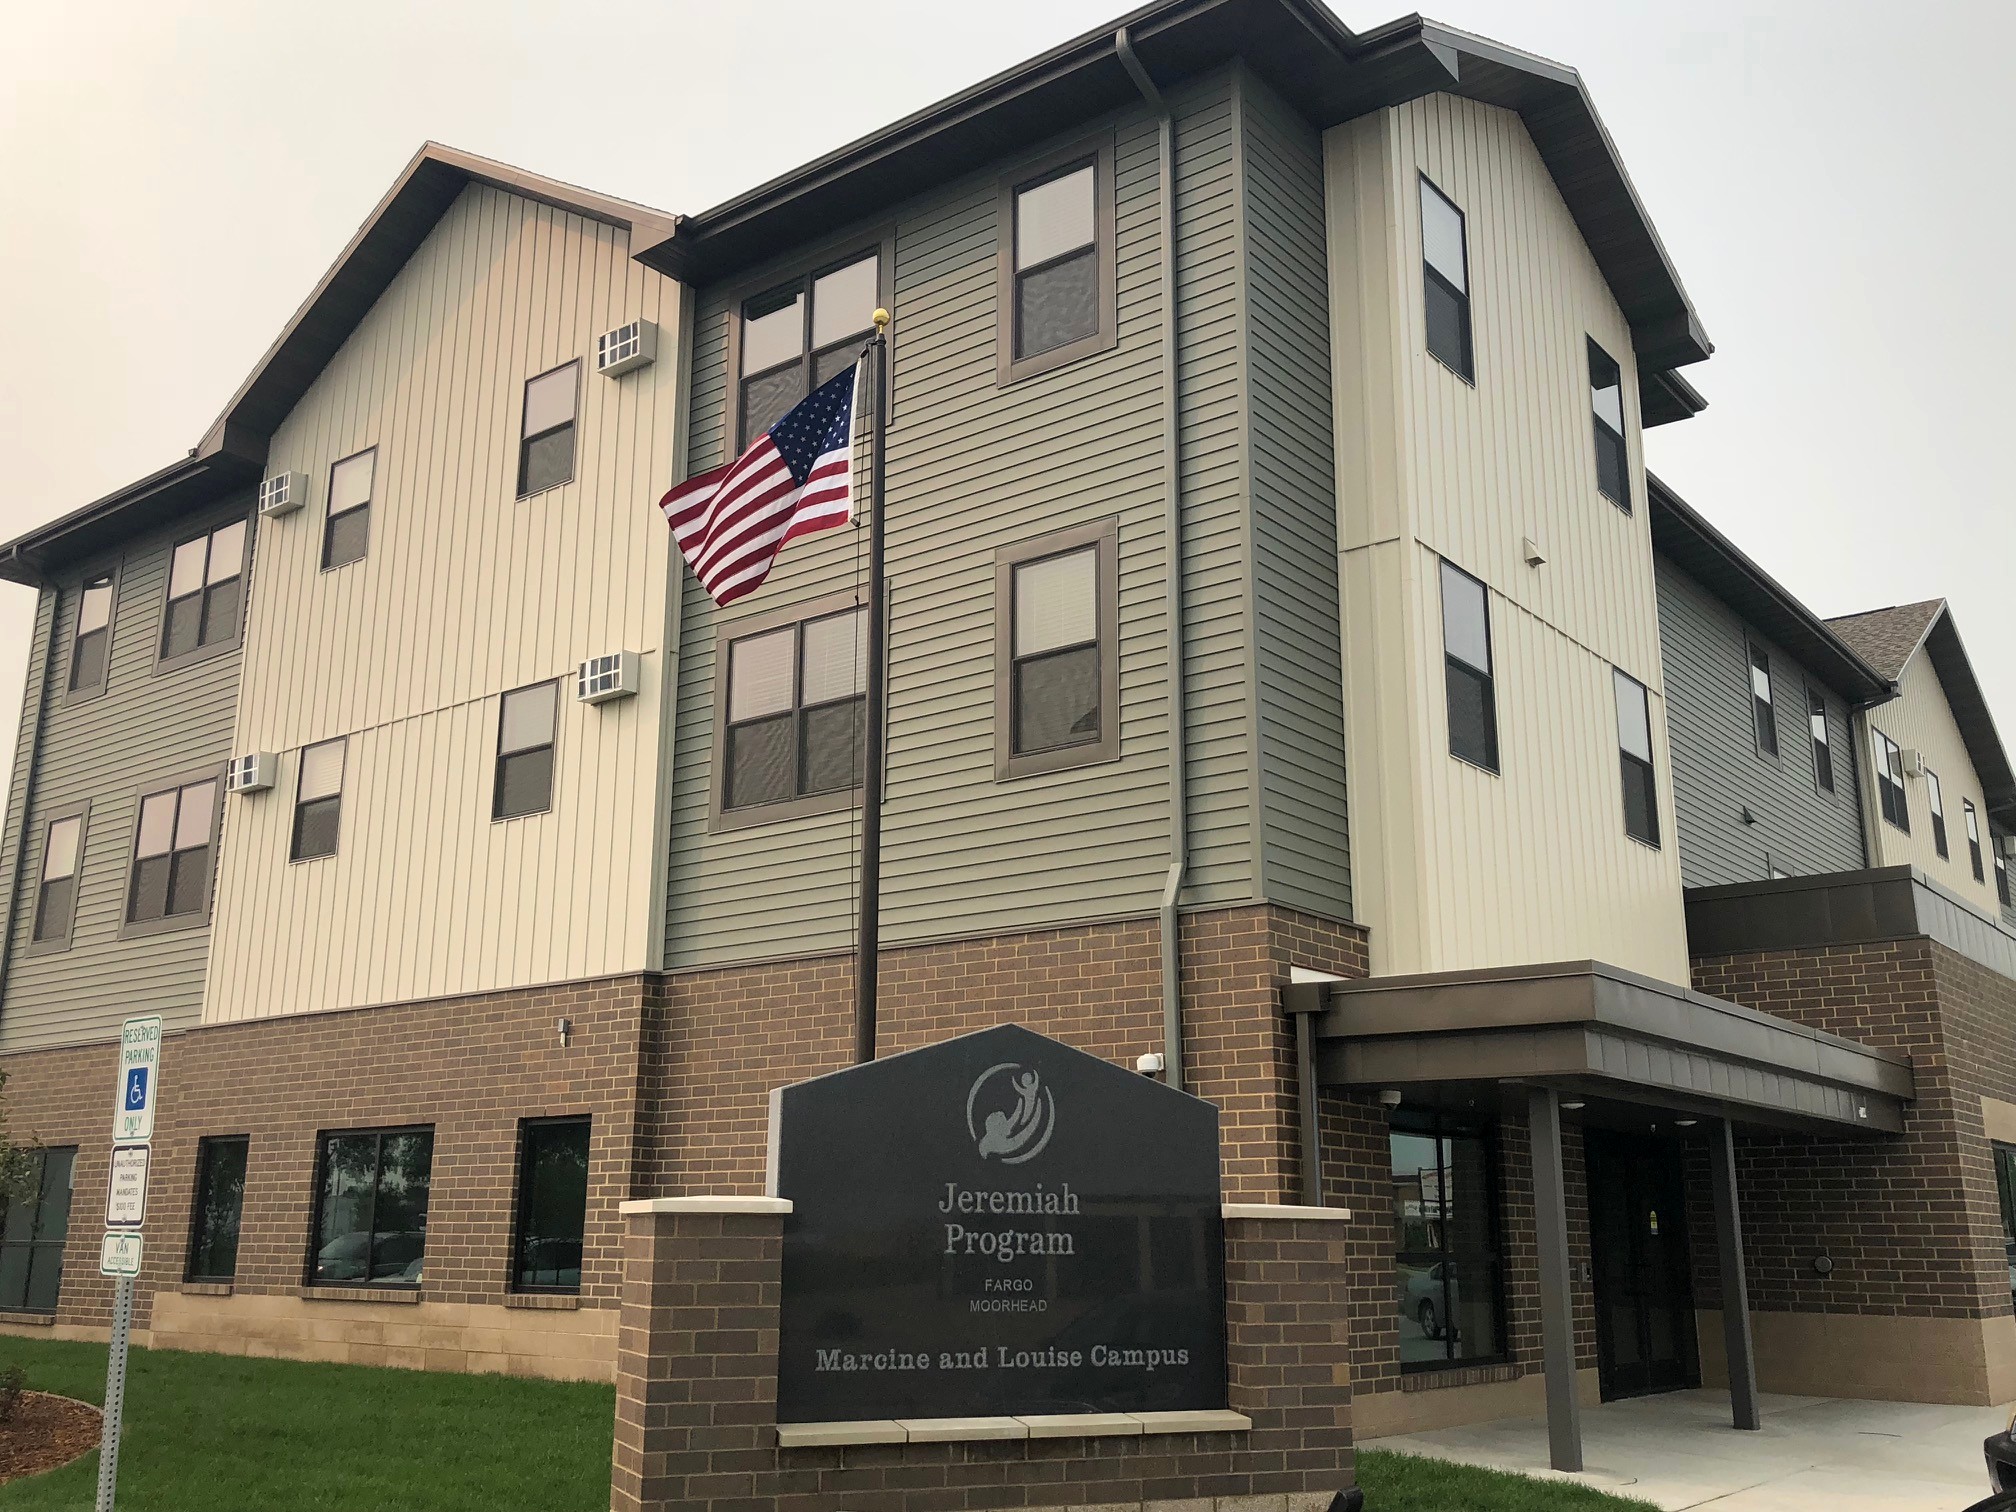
45, 1432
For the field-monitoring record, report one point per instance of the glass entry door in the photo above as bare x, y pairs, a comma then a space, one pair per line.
1638, 1241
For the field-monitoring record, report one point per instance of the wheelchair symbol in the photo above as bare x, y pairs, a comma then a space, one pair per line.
136, 1089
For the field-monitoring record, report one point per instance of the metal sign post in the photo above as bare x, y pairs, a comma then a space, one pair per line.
134, 1104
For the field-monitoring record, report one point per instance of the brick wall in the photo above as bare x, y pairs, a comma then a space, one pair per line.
1911, 1224
472, 1067
717, 1041
696, 1394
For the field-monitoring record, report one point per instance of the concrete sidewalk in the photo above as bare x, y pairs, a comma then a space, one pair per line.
1813, 1454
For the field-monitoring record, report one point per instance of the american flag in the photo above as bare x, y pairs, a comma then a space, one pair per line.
797, 477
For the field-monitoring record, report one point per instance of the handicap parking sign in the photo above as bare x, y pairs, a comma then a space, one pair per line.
139, 1081
136, 1089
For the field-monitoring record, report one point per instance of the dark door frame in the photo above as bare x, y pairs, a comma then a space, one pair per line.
1620, 1168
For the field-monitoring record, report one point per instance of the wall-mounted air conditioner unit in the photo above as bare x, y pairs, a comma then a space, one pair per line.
626, 348
605, 677
283, 493
252, 774
1914, 762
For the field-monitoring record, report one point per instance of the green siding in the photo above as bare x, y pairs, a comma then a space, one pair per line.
1305, 850
146, 726
973, 467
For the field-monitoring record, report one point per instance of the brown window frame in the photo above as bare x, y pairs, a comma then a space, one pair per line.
1633, 765
499, 755
1433, 277
572, 425
54, 944
131, 928
1099, 151
1602, 430
72, 692
294, 852
720, 817
329, 519
1009, 764
830, 258
1970, 818
203, 650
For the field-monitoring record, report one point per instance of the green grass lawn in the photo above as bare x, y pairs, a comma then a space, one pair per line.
216, 1433
1409, 1483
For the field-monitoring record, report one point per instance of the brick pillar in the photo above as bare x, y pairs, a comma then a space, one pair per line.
1288, 1346
696, 1386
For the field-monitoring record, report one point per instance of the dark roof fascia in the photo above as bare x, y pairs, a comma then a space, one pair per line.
390, 236
1302, 50
1970, 711
1664, 396
1681, 534
35, 559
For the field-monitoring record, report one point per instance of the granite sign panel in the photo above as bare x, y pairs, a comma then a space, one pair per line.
997, 1225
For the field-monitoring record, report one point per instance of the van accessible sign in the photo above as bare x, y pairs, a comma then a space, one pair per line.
997, 1225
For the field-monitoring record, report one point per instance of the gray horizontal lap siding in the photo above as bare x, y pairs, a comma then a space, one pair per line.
146, 726
974, 467
1305, 848
1718, 771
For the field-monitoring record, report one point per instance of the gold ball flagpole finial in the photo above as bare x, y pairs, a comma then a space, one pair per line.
881, 318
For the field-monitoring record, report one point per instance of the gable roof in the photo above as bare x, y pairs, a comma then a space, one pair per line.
1890, 638
1684, 537
232, 453
1327, 71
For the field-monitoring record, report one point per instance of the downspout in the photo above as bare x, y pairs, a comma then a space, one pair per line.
1172, 535
41, 715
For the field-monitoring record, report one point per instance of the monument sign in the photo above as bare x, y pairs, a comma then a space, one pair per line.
998, 1225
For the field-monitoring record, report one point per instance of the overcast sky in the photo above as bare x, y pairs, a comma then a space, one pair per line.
1831, 180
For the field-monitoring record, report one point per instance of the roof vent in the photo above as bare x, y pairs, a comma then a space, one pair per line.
627, 347
251, 774
283, 493
605, 677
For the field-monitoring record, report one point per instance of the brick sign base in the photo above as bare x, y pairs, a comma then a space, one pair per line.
696, 1393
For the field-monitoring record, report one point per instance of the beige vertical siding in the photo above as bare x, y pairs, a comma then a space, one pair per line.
466, 592
1920, 719
973, 467
1455, 868
149, 726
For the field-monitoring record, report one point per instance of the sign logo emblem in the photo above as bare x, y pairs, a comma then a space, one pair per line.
1011, 1118
136, 1089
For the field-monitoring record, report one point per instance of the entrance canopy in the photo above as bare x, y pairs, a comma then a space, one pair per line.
1591, 1030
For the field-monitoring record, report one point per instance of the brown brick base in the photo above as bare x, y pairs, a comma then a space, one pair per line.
696, 1394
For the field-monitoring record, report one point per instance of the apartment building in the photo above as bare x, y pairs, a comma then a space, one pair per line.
1293, 671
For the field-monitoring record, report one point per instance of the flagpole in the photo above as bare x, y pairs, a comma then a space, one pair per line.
867, 956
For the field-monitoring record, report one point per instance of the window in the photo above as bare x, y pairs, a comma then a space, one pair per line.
171, 854
1935, 800
371, 1207
206, 579
1763, 709
1055, 283
2005, 1188
546, 450
1056, 658
1823, 744
794, 712
91, 643
1634, 749
220, 1196
1466, 648
1606, 400
795, 338
32, 1229
1890, 783
318, 801
347, 529
525, 726
56, 898
1973, 839
2002, 873
1445, 280
1445, 1244
552, 1204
